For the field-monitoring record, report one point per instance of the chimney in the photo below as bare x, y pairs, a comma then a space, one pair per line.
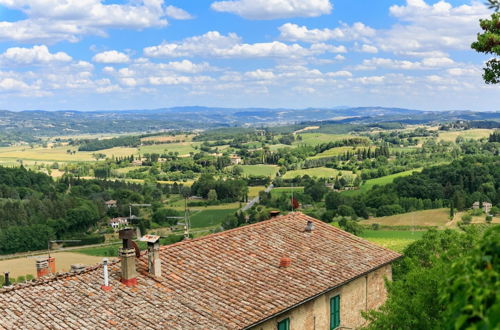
309, 227
127, 256
285, 262
42, 267
52, 264
105, 286
274, 213
76, 268
154, 261
7, 279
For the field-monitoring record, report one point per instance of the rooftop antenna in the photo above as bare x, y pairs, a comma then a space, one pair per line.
187, 222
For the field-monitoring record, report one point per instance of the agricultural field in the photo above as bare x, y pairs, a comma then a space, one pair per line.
169, 138
319, 138
336, 152
254, 191
258, 170
183, 148
395, 240
379, 181
64, 260
475, 134
319, 172
286, 190
433, 218
58, 154
210, 217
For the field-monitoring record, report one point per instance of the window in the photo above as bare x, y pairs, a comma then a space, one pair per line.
284, 324
334, 312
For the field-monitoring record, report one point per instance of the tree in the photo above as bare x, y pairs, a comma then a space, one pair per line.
488, 42
212, 195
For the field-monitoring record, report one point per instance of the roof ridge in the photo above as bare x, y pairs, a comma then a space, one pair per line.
226, 232
54, 277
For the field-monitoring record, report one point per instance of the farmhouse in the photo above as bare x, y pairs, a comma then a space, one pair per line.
118, 222
289, 272
110, 204
236, 160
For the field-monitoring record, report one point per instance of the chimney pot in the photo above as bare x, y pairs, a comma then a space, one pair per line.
274, 213
129, 273
309, 227
105, 286
154, 261
285, 262
7, 279
42, 267
76, 268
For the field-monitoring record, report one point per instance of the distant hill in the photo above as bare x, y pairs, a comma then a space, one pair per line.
68, 122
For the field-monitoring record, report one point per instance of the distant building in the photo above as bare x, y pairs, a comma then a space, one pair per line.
476, 205
487, 207
116, 223
110, 204
289, 272
236, 160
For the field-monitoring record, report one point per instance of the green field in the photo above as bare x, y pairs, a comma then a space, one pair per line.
335, 152
319, 172
319, 138
286, 190
183, 148
258, 170
395, 240
209, 218
379, 181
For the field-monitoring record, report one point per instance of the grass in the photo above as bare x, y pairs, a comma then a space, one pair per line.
101, 251
474, 134
183, 148
436, 217
379, 181
254, 191
319, 138
169, 138
395, 240
319, 172
336, 151
285, 190
259, 170
210, 217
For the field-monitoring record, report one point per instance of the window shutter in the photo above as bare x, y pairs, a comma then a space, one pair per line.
334, 312
284, 324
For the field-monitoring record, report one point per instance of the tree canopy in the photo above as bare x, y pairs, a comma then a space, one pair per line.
488, 42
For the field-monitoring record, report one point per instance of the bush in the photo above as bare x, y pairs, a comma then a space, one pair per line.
489, 219
86, 240
30, 277
21, 279
375, 226
466, 219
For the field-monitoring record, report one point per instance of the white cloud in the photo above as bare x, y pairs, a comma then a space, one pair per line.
111, 56
35, 55
10, 84
177, 13
388, 63
260, 74
55, 20
294, 32
339, 74
368, 49
428, 28
214, 44
272, 9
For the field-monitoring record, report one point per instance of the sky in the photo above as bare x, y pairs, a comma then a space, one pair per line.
146, 54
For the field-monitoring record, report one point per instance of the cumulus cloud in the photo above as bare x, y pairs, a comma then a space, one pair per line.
177, 13
35, 55
368, 49
434, 27
294, 32
272, 9
214, 44
111, 56
56, 20
388, 63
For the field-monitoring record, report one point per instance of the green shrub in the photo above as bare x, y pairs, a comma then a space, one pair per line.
30, 277
489, 219
375, 226
466, 219
21, 279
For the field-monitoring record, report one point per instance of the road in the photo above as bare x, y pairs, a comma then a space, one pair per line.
254, 201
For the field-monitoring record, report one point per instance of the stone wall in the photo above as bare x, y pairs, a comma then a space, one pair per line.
364, 293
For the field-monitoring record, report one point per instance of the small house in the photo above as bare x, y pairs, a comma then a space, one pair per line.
116, 223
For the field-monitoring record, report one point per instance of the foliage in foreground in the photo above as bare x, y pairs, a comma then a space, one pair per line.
447, 280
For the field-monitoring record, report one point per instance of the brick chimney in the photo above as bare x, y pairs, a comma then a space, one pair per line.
127, 255
154, 261
45, 266
7, 279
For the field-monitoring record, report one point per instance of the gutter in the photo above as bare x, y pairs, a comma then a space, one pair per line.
319, 294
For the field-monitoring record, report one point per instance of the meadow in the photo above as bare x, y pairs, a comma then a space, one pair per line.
434, 218
258, 170
210, 217
396, 240
319, 138
474, 134
319, 172
379, 181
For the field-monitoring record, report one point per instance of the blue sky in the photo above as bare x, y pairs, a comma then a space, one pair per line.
143, 54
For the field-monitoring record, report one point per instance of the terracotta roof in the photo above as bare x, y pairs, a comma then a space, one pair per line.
229, 280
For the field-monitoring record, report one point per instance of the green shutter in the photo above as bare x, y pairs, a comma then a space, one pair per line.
284, 324
334, 312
